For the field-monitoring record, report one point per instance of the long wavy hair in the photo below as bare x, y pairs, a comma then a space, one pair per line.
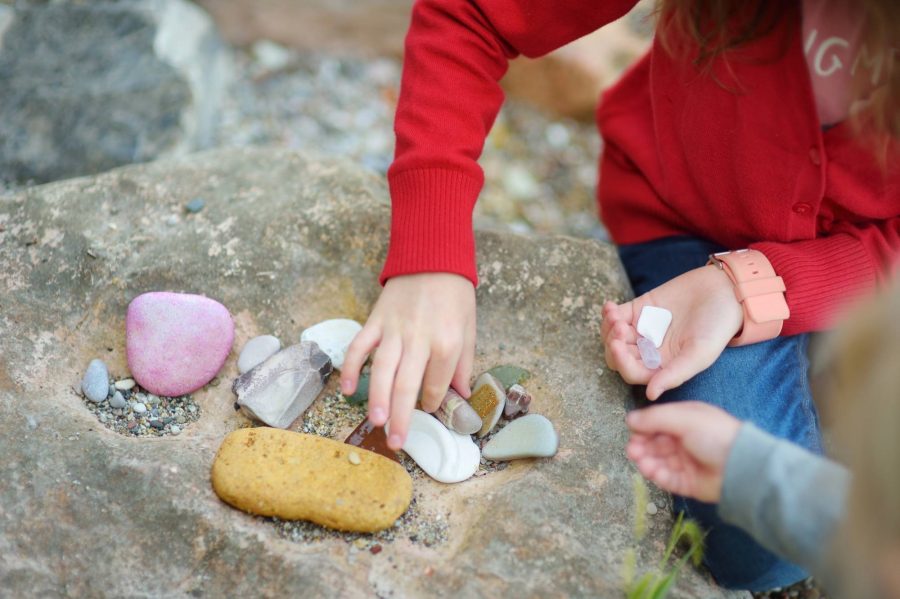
720, 26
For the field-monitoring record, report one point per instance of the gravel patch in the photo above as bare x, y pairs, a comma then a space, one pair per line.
136, 412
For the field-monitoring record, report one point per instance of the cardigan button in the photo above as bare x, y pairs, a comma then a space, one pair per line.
802, 208
814, 156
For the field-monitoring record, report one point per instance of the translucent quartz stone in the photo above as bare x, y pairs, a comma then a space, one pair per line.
649, 354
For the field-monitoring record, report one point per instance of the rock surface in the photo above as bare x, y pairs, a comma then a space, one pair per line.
295, 476
92, 85
285, 240
176, 342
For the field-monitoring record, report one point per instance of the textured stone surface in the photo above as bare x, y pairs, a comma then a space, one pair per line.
92, 85
295, 476
286, 241
176, 342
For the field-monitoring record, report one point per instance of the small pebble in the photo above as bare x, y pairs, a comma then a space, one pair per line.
95, 384
529, 436
124, 384
652, 509
175, 429
649, 354
117, 401
517, 401
375, 549
354, 458
333, 337
256, 351
139, 408
195, 205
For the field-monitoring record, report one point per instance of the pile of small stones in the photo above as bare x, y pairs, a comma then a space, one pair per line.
130, 410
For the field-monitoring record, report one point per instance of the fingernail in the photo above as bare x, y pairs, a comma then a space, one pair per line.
378, 416
394, 442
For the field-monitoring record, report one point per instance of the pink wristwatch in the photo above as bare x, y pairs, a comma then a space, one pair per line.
759, 290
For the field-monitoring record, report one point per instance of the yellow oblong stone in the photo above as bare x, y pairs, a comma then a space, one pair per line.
294, 476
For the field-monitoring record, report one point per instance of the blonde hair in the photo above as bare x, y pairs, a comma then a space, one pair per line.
864, 401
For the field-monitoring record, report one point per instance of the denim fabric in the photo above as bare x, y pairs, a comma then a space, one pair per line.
766, 383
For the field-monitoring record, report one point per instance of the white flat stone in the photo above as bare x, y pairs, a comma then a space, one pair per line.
531, 436
444, 455
653, 324
256, 351
333, 337
468, 460
124, 384
428, 443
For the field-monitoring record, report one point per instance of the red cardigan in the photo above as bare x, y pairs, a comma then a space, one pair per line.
739, 158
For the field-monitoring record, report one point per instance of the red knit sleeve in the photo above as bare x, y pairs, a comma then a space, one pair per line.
456, 52
825, 276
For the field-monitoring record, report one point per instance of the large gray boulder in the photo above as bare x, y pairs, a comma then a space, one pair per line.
92, 85
284, 241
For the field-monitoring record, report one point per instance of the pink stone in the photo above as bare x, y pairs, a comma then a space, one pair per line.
176, 342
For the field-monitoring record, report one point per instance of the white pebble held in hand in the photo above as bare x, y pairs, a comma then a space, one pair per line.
654, 324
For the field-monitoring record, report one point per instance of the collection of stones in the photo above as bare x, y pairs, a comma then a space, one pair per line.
177, 343
358, 485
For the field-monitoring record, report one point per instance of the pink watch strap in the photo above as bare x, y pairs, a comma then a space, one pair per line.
759, 290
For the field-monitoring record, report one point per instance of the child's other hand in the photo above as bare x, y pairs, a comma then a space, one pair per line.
705, 317
424, 328
683, 447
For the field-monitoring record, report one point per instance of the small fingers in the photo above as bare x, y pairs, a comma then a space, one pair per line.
625, 359
623, 331
405, 392
360, 348
384, 368
463, 373
438, 375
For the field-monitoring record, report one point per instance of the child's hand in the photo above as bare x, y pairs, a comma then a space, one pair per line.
424, 328
705, 317
683, 447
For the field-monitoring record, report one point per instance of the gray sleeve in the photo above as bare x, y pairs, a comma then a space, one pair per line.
788, 499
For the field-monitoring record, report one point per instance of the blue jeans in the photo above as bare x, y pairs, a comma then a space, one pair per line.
766, 383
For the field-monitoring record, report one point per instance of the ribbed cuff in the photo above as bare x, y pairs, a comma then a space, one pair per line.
747, 461
431, 223
823, 276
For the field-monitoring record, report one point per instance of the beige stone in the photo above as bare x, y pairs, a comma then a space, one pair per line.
294, 476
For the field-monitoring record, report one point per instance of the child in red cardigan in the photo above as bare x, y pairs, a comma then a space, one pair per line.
707, 148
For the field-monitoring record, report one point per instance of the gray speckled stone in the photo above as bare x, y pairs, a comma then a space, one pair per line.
117, 400
95, 383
